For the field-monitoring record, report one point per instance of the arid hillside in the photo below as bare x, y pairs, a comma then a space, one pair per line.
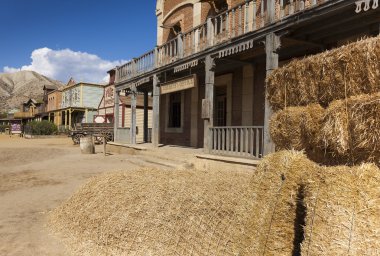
18, 87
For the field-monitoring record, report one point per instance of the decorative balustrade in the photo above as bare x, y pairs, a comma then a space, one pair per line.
246, 17
241, 141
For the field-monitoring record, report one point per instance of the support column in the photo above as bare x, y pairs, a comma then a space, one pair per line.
272, 44
133, 114
69, 111
116, 115
209, 99
66, 118
146, 128
156, 112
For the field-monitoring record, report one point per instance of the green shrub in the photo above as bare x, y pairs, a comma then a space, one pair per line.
41, 128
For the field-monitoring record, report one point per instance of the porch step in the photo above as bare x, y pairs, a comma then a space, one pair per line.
228, 159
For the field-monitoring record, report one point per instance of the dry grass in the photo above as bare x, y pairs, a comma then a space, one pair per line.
156, 212
343, 72
351, 128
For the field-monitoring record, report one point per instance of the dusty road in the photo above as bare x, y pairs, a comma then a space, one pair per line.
38, 175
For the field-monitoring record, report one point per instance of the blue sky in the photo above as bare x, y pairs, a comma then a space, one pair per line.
79, 38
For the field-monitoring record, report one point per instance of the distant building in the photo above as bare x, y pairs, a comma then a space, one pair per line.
107, 108
79, 103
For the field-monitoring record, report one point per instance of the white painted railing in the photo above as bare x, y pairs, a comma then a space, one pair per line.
246, 17
241, 141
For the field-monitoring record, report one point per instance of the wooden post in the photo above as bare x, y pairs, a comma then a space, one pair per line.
209, 97
146, 128
156, 112
116, 115
133, 114
180, 46
271, 7
272, 44
104, 145
210, 32
69, 112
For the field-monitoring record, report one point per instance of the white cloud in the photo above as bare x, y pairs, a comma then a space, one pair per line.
63, 64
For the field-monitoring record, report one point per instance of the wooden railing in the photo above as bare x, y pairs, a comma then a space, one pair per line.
241, 141
246, 17
25, 114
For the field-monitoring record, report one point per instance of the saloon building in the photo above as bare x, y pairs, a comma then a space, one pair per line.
207, 73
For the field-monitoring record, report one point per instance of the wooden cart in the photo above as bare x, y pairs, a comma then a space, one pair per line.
99, 131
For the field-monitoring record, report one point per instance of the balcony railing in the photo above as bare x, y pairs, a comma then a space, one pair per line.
246, 17
21, 115
240, 141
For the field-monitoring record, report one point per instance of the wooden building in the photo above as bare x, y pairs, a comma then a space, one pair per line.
79, 103
207, 74
54, 107
107, 108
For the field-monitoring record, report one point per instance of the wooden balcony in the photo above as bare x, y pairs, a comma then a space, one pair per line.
248, 17
24, 115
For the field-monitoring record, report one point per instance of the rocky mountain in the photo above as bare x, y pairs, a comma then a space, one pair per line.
15, 88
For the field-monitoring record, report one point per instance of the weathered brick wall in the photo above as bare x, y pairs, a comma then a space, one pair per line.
170, 4
183, 15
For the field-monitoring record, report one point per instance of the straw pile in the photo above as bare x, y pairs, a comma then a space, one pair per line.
343, 72
156, 212
275, 225
296, 127
343, 215
351, 128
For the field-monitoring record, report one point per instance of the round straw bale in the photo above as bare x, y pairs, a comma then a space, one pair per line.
157, 212
347, 71
273, 228
343, 212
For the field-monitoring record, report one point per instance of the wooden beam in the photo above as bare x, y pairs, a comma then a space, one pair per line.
116, 115
272, 44
209, 97
156, 112
146, 129
133, 114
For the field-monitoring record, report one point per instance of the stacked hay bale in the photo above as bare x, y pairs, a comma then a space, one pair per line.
343, 212
346, 82
305, 209
277, 188
157, 212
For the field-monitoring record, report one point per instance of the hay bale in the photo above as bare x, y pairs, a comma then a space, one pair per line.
343, 72
273, 228
343, 212
157, 212
296, 127
351, 128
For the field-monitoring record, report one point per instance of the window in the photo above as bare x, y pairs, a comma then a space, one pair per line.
175, 110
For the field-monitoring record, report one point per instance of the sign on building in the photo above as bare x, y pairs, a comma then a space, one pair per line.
179, 85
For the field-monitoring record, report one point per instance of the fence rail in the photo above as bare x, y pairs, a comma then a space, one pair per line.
242, 141
243, 18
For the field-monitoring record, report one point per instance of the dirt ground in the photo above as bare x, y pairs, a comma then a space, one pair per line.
37, 175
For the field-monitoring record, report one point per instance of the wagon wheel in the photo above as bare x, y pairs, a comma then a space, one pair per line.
108, 135
76, 138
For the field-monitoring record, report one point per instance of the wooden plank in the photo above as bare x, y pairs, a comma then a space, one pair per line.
146, 117
209, 95
116, 115
223, 139
257, 131
133, 114
272, 44
246, 141
156, 112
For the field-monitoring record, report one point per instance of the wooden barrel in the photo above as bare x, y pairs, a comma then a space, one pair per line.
87, 145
